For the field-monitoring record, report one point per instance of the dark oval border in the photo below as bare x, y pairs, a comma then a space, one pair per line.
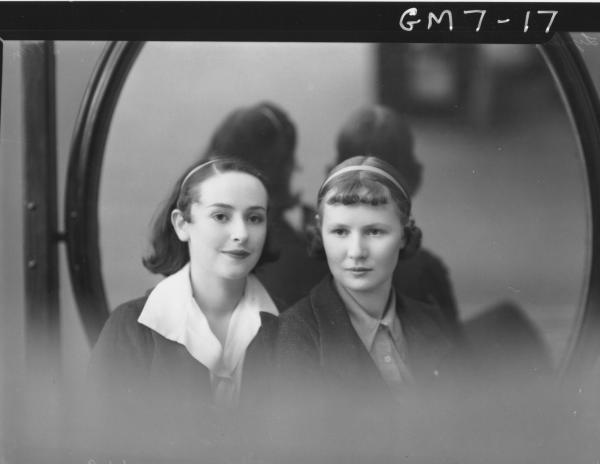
87, 153
83, 182
578, 92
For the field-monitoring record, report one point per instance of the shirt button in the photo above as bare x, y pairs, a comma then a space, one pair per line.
387, 358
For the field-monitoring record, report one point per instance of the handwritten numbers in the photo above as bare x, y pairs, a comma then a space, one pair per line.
482, 15
410, 19
553, 14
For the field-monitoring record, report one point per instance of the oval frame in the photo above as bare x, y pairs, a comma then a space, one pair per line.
87, 154
83, 182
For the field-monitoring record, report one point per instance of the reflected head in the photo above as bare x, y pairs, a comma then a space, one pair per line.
264, 136
380, 131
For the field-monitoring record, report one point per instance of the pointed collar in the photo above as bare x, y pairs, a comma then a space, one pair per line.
366, 326
171, 311
343, 351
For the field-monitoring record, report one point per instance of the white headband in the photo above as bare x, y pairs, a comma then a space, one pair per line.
364, 167
271, 116
194, 170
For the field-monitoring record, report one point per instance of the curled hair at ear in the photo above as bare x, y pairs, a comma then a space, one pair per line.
315, 241
413, 237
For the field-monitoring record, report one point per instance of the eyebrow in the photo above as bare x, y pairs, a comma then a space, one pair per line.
372, 224
226, 206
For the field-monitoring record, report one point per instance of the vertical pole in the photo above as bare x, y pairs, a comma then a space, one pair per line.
42, 320
40, 197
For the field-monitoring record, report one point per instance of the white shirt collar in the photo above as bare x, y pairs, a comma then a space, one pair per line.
171, 311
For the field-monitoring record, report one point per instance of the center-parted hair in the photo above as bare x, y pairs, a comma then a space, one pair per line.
168, 254
366, 180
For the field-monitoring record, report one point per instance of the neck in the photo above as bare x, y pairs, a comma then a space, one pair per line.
216, 296
374, 302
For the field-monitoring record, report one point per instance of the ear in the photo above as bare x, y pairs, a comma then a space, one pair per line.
179, 225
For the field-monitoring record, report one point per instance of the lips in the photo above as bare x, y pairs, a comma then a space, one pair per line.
237, 254
358, 269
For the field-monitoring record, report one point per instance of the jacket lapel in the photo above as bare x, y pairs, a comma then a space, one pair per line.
343, 355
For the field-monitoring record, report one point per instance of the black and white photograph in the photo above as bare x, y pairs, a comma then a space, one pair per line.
301, 248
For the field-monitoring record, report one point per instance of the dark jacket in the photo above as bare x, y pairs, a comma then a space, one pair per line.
154, 398
317, 340
425, 277
331, 400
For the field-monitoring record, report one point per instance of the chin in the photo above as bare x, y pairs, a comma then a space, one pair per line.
236, 272
234, 275
358, 286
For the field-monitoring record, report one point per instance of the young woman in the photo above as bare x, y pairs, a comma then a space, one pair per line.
166, 363
264, 135
387, 134
354, 332
352, 352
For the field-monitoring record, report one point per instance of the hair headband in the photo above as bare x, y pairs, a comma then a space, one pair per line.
271, 116
194, 170
364, 167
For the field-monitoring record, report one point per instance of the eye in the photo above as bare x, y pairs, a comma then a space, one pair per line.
375, 232
256, 218
339, 232
220, 217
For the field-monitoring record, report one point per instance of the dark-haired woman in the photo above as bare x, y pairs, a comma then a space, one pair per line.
172, 365
264, 135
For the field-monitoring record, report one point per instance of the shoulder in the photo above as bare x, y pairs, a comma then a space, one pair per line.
125, 316
130, 309
427, 318
122, 331
302, 324
124, 345
425, 309
429, 261
300, 313
304, 310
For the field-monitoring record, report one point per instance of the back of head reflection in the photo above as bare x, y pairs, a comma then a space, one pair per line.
264, 136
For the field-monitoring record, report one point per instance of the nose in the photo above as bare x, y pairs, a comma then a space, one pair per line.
356, 247
239, 230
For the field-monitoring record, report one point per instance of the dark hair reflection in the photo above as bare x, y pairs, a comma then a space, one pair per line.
264, 136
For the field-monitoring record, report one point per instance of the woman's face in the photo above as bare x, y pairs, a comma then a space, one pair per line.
362, 243
228, 225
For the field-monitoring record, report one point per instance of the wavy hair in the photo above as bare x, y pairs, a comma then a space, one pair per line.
169, 254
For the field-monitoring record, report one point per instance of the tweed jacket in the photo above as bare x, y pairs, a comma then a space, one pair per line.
317, 342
